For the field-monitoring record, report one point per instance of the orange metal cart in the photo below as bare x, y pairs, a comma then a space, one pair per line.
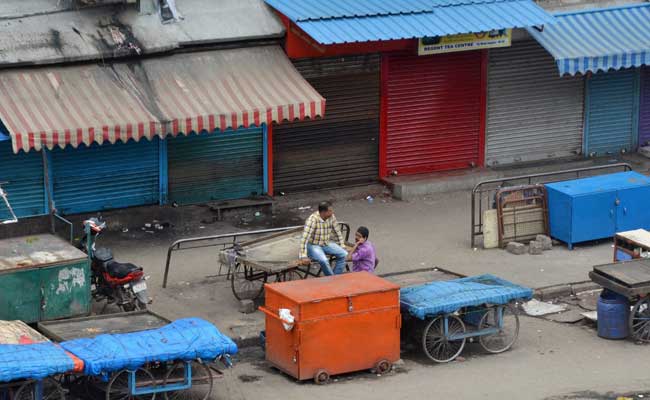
341, 324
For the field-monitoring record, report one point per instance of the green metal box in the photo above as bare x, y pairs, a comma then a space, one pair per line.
43, 277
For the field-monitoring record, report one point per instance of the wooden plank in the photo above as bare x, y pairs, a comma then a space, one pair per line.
273, 253
18, 332
632, 274
615, 287
36, 251
100, 324
640, 237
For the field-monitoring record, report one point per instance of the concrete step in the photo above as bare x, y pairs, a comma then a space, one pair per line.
414, 186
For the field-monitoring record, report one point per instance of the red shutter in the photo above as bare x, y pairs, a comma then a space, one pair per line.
433, 112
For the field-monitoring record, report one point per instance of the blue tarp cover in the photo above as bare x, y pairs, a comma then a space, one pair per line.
445, 297
184, 339
32, 361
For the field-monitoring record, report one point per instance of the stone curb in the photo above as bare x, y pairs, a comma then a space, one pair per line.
565, 289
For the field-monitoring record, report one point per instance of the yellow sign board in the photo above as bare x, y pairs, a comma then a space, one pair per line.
464, 42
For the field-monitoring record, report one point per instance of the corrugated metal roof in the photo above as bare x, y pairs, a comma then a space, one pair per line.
319, 9
338, 21
60, 106
598, 40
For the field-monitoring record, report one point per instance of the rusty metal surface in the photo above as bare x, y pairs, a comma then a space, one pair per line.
341, 149
36, 251
17, 332
272, 253
522, 213
102, 324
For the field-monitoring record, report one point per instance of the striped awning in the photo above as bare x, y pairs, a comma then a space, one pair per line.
183, 93
598, 40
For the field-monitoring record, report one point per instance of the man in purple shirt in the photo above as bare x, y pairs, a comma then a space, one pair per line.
362, 254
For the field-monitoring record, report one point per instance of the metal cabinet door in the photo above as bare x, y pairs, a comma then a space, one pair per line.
633, 210
20, 295
65, 290
593, 216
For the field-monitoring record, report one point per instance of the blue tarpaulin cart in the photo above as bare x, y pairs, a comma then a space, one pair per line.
28, 364
445, 314
172, 361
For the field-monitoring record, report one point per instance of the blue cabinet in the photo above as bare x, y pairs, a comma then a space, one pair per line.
597, 207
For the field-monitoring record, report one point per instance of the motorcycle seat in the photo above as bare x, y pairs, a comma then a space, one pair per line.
121, 270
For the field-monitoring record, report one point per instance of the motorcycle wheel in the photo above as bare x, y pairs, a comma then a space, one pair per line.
134, 305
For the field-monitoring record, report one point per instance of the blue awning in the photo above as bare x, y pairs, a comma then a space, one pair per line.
344, 21
598, 40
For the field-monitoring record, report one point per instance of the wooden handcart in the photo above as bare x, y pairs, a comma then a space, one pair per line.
155, 364
630, 279
272, 258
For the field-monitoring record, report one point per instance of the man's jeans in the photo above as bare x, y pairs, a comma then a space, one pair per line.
320, 253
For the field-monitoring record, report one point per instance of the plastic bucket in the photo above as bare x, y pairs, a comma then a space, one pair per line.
613, 315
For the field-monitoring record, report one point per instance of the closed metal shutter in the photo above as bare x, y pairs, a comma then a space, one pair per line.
21, 176
644, 117
433, 112
101, 177
533, 113
342, 148
612, 112
216, 166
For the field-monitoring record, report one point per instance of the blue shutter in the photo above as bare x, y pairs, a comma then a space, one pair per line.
25, 188
101, 177
644, 113
612, 112
216, 166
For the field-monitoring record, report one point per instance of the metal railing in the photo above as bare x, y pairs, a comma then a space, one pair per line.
68, 224
483, 193
227, 240
4, 196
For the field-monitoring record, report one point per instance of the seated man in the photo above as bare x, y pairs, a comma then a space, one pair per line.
321, 230
362, 254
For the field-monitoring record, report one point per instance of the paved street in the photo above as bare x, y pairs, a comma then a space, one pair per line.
550, 360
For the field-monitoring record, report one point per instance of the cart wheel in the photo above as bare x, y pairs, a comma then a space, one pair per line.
243, 288
506, 336
436, 346
321, 377
640, 320
291, 275
118, 386
51, 391
135, 305
202, 381
25, 391
383, 367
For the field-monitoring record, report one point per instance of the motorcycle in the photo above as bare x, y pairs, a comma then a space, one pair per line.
114, 282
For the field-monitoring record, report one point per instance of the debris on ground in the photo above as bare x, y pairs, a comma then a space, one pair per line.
247, 306
536, 308
535, 248
516, 248
547, 242
591, 315
570, 316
